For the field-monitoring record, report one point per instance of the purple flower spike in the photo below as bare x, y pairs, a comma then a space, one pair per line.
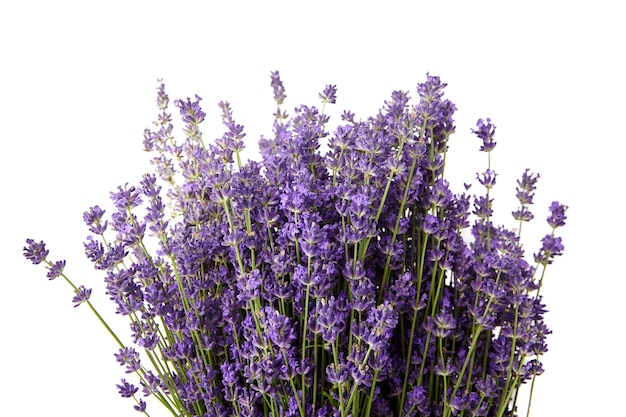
551, 247
432, 89
329, 95
444, 325
92, 218
125, 198
486, 131
525, 194
279, 329
94, 250
277, 86
557, 215
190, 111
126, 389
82, 296
56, 270
162, 98
35, 252
487, 178
525, 187
141, 407
129, 357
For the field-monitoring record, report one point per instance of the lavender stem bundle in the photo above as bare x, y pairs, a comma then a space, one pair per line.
350, 284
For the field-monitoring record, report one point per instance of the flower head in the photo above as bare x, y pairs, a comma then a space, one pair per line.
487, 179
277, 86
526, 187
82, 296
432, 89
486, 131
329, 95
551, 246
557, 215
35, 252
126, 389
130, 357
93, 219
56, 269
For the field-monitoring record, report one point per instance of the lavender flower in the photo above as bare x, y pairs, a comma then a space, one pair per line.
487, 179
93, 219
277, 86
526, 187
126, 389
557, 215
82, 296
355, 283
56, 270
35, 252
329, 95
551, 246
141, 406
130, 358
486, 131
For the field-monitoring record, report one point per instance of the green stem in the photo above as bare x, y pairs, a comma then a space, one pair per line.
305, 326
530, 396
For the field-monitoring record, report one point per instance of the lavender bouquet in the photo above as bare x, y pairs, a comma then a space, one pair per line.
351, 284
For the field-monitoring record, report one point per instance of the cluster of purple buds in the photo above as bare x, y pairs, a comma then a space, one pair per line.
354, 283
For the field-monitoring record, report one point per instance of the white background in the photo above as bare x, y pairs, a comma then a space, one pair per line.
77, 88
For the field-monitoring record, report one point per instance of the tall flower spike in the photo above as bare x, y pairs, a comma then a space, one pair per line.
525, 187
432, 89
129, 357
190, 111
162, 98
550, 247
329, 95
557, 215
92, 219
192, 115
486, 132
277, 86
525, 194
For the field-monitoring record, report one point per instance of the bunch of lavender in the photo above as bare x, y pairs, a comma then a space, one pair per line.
350, 284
